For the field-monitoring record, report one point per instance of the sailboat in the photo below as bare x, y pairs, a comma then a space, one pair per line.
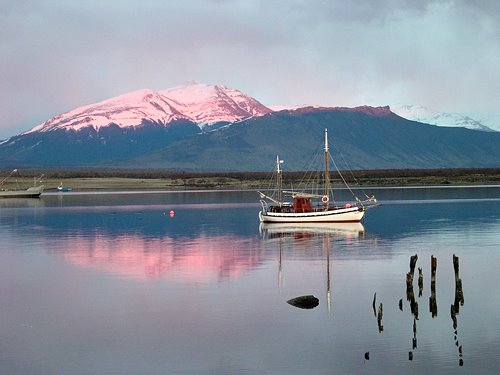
31, 192
308, 207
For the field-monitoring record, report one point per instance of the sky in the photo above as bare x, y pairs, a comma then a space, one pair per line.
57, 55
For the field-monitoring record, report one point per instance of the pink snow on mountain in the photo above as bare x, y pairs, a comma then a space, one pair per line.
124, 110
208, 104
200, 103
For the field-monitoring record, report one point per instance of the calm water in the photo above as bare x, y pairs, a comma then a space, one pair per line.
111, 284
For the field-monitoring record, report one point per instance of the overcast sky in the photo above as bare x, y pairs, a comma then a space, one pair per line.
57, 55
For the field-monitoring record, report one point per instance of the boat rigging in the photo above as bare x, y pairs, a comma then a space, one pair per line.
304, 209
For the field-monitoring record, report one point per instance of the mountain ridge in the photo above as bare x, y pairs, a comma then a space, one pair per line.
365, 140
369, 137
196, 102
212, 127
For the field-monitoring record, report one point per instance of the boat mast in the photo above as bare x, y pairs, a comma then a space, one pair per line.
6, 178
327, 177
279, 181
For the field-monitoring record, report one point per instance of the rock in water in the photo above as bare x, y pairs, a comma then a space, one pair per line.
304, 302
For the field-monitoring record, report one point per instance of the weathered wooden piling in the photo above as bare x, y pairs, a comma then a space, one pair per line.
413, 262
409, 281
455, 264
434, 264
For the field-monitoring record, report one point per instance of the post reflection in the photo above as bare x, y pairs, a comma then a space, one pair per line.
455, 307
410, 296
432, 299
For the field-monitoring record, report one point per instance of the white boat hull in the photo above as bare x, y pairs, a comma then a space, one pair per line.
341, 215
32, 192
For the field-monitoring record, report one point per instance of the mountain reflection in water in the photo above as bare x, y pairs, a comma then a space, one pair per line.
196, 259
112, 284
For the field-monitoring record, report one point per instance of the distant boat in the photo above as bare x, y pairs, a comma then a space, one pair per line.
32, 192
62, 189
303, 208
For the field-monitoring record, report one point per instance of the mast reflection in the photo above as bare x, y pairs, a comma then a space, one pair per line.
304, 233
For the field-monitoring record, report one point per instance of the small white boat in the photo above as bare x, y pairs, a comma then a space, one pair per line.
31, 192
309, 207
63, 189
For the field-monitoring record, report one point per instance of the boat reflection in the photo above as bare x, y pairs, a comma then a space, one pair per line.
309, 230
17, 203
306, 233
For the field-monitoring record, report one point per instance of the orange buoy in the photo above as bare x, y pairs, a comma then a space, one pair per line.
347, 205
172, 213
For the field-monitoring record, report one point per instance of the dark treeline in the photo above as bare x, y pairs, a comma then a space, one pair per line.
488, 174
442, 172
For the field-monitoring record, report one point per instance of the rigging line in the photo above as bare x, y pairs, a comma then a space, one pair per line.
271, 184
342, 177
352, 174
310, 171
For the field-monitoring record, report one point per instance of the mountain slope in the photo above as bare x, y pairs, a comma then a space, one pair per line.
89, 147
174, 129
367, 138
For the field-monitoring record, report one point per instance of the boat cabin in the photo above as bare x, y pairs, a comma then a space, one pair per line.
302, 204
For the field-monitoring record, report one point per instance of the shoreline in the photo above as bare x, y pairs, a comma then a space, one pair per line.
147, 180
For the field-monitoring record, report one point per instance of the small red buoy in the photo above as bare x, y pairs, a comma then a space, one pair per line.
347, 205
172, 213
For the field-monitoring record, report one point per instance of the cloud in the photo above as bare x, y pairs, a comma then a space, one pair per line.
57, 55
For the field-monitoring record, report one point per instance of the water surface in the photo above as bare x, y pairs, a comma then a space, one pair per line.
112, 284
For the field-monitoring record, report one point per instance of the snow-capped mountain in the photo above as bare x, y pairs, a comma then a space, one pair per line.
200, 103
429, 116
125, 110
204, 105
208, 104
249, 146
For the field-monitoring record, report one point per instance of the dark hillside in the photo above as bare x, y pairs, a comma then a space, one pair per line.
366, 140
